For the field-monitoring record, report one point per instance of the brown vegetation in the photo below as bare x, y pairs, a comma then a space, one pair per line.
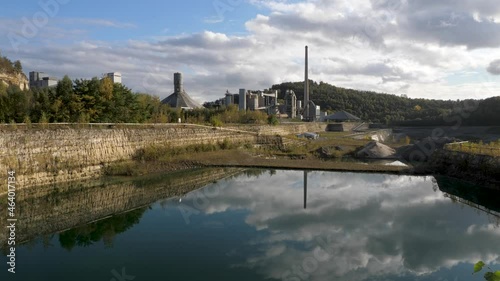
491, 149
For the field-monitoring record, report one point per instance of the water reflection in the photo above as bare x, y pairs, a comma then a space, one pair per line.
104, 230
44, 210
277, 225
369, 225
305, 189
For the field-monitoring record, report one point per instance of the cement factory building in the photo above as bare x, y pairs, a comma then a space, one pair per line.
40, 80
180, 99
268, 100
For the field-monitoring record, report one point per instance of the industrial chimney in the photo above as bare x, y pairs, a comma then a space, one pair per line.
306, 87
178, 87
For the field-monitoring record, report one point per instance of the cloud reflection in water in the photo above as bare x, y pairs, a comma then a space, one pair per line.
370, 225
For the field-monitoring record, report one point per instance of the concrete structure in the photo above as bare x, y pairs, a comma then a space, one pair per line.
253, 103
229, 98
178, 83
323, 115
317, 115
254, 100
243, 100
116, 77
291, 104
312, 112
180, 99
40, 80
342, 116
306, 88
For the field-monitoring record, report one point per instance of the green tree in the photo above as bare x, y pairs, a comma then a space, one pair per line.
70, 105
4, 104
92, 102
19, 103
41, 102
18, 68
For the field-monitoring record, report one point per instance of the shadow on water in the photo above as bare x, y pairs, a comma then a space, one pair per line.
105, 230
481, 198
98, 210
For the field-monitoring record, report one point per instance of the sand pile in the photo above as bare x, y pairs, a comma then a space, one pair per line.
376, 150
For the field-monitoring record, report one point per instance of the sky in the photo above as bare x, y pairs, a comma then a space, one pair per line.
447, 49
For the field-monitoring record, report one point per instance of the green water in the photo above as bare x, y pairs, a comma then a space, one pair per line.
254, 227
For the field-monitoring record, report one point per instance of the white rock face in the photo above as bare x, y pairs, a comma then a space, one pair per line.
19, 80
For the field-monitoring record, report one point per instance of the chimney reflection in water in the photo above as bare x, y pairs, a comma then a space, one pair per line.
305, 189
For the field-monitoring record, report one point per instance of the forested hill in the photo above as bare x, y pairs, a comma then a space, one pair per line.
384, 108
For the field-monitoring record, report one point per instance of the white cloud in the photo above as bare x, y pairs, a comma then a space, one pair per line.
391, 46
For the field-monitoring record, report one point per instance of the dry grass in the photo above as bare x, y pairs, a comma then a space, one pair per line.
299, 154
491, 149
327, 139
241, 158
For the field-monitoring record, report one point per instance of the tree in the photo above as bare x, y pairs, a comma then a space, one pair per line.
64, 93
41, 102
123, 107
92, 102
18, 67
71, 102
106, 88
19, 103
4, 104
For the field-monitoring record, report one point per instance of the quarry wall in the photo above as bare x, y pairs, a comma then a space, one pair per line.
471, 167
65, 153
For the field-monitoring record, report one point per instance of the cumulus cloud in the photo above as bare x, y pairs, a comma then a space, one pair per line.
391, 46
494, 67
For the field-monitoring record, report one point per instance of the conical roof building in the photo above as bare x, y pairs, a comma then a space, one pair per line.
180, 99
342, 116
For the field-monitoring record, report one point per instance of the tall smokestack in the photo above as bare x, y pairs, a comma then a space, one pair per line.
306, 86
178, 85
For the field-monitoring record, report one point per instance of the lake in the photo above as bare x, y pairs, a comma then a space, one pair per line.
233, 224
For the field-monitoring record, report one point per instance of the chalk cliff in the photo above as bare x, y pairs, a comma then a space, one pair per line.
10, 79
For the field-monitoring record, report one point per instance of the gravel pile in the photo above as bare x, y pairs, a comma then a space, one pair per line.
376, 150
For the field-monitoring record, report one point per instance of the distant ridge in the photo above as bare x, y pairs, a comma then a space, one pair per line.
399, 110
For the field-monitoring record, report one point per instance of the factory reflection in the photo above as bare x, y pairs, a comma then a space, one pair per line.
305, 189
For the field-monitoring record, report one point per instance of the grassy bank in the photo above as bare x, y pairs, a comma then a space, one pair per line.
480, 148
297, 154
241, 158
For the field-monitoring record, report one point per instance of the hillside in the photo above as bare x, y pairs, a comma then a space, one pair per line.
392, 109
11, 74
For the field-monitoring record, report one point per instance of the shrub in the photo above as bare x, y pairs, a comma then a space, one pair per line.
215, 121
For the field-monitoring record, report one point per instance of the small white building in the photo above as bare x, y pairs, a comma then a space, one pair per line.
116, 77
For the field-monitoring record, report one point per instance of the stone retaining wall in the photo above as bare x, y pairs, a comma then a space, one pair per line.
63, 154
